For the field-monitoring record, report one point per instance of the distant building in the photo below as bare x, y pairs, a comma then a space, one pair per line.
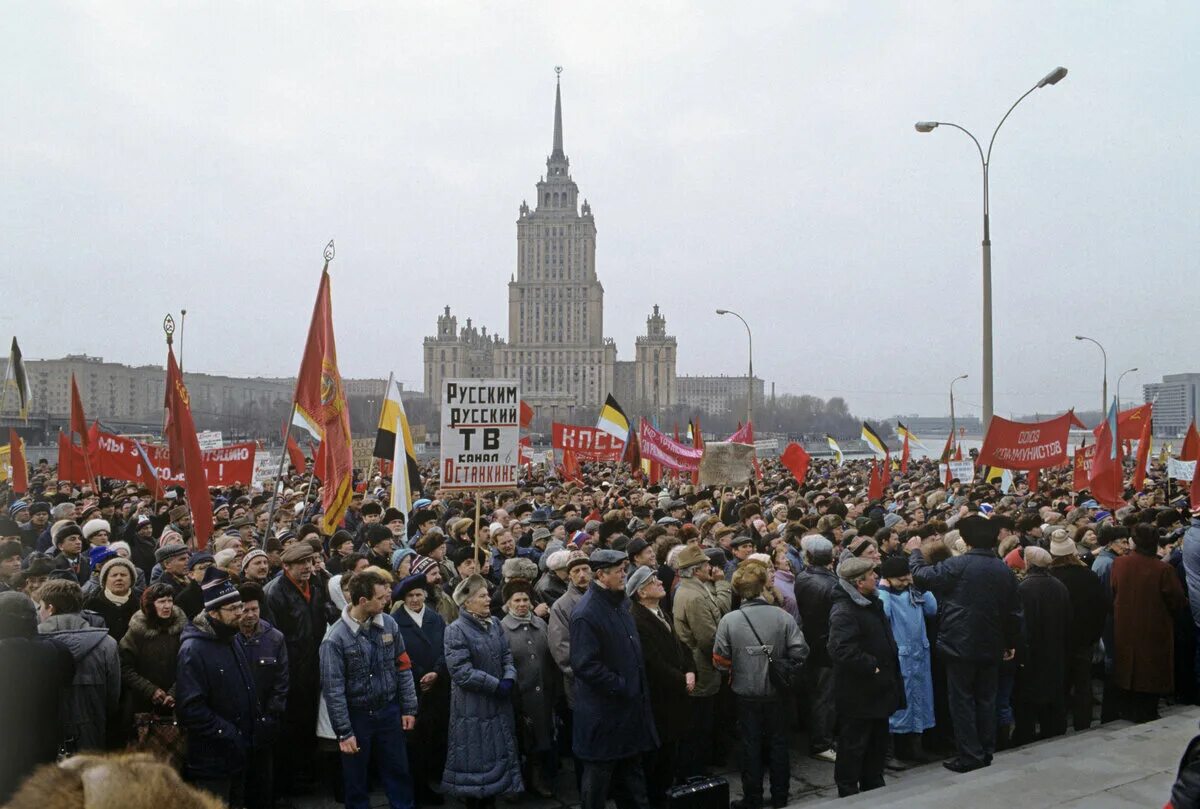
556, 346
938, 427
130, 398
1175, 400
716, 395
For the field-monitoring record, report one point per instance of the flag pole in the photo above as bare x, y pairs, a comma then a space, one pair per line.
478, 530
279, 476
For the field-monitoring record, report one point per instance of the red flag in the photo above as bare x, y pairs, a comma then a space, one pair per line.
1191, 444
320, 407
1083, 467
1107, 477
633, 454
904, 455
948, 450
885, 475
698, 443
78, 421
318, 459
184, 447
796, 459
875, 487
958, 452
16, 456
1129, 422
1143, 452
526, 415
296, 455
71, 464
1032, 480
570, 466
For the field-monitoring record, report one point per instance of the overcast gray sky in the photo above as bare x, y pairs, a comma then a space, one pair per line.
760, 157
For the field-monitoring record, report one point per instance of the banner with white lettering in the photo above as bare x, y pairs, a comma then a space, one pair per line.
590, 443
481, 431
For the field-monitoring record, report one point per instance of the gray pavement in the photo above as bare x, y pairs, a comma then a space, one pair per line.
1116, 766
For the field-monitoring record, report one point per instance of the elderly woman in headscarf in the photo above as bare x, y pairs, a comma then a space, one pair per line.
481, 753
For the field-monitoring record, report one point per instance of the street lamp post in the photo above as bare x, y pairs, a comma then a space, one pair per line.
750, 376
1119, 378
1053, 77
1104, 389
953, 425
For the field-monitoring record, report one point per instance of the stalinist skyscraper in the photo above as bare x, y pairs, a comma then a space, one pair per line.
556, 345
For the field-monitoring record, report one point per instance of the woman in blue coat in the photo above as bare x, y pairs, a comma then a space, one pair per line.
907, 609
481, 753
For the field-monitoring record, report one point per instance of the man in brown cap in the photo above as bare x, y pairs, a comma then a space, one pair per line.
702, 598
181, 522
301, 610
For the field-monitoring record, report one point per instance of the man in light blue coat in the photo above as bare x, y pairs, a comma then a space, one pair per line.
907, 609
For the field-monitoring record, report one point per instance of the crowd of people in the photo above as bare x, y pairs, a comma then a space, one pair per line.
646, 633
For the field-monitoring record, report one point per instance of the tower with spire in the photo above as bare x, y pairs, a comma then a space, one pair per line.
556, 345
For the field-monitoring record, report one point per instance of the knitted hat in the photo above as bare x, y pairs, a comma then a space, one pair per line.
178, 513
251, 556
398, 556
1062, 546
855, 568
469, 587
99, 554
116, 562
199, 558
218, 590
422, 565
558, 560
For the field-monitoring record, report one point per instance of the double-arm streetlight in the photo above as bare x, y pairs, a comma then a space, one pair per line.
1119, 378
953, 425
750, 377
1053, 77
1104, 389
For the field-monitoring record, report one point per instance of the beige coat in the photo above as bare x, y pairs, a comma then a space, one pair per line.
698, 608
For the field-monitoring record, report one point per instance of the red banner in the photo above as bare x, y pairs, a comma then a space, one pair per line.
588, 443
1083, 467
660, 448
1130, 422
1026, 445
117, 457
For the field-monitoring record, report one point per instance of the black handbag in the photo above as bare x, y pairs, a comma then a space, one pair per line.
783, 674
699, 793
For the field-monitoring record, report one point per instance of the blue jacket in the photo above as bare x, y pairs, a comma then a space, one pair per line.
981, 613
1191, 567
424, 644
266, 652
481, 751
216, 703
907, 612
365, 668
613, 717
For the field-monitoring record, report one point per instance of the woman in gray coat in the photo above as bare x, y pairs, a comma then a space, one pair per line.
481, 752
537, 687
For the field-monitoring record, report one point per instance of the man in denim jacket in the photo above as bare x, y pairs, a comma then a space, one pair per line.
366, 679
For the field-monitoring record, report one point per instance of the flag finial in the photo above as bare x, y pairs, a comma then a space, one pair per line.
169, 328
329, 252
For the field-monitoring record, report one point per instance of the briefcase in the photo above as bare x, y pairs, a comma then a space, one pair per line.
699, 793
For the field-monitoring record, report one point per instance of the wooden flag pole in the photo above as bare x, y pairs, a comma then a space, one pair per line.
278, 476
478, 528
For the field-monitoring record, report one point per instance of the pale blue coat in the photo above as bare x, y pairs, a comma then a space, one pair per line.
907, 612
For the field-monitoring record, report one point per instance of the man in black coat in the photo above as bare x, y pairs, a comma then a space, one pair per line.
1039, 696
33, 673
814, 598
868, 685
613, 725
670, 674
980, 627
299, 607
1089, 612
